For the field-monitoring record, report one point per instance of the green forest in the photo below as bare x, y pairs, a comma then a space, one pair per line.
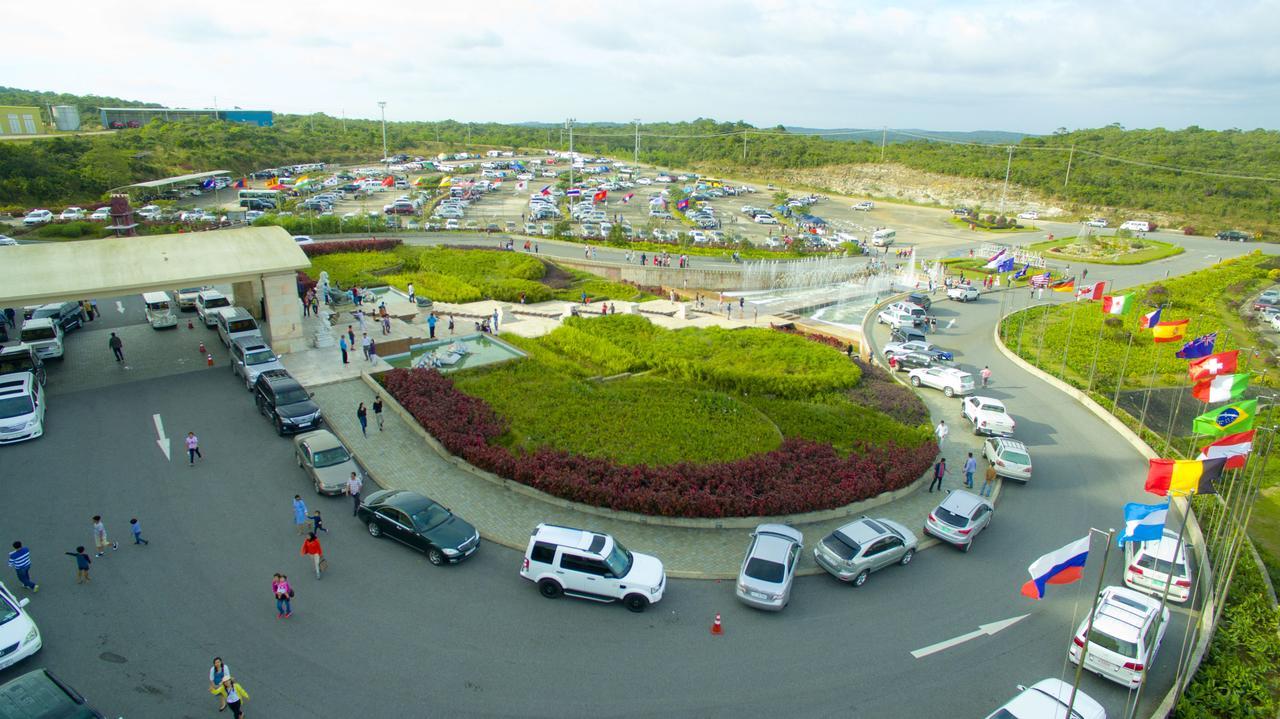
1109, 166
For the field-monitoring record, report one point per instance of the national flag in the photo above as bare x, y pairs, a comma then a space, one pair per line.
573, 192
627, 197
1143, 522
1169, 331
240, 184
682, 205
301, 179
1061, 566
1091, 292
446, 181
1183, 476
1214, 365
521, 185
1115, 304
1150, 319
1222, 388
600, 196
388, 181
995, 260
207, 184
1066, 285
1235, 448
1235, 417
1006, 265
1040, 280
546, 190
1022, 272
1199, 347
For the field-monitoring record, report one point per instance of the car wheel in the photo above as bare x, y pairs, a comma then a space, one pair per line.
861, 579
549, 589
435, 556
374, 530
915, 381
948, 391
279, 427
319, 489
636, 603
966, 546
906, 558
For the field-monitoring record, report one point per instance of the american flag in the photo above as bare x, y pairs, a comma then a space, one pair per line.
1040, 280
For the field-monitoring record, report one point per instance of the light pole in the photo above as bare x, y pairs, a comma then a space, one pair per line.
636, 157
382, 105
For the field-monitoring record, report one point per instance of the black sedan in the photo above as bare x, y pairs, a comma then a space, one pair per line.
911, 360
420, 523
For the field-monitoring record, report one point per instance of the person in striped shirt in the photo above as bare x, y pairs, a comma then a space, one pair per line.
20, 560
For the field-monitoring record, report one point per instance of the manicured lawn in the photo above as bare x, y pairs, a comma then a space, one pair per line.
1152, 250
964, 223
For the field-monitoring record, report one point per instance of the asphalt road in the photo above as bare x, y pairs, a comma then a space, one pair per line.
387, 634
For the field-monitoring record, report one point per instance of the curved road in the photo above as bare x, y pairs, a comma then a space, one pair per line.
386, 634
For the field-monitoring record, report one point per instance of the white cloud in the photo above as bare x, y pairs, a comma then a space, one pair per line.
939, 65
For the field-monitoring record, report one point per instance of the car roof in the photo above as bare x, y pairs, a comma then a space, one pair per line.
569, 537
408, 501
986, 401
1012, 444
863, 530
319, 440
1121, 612
1164, 547
772, 547
37, 321
962, 502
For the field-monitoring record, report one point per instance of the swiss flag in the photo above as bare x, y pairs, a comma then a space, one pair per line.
1213, 365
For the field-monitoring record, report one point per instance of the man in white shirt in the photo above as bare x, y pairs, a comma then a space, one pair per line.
354, 485
941, 432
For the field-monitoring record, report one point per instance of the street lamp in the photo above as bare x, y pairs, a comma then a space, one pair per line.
382, 105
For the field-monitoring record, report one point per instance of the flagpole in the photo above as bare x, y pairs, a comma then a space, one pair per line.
1173, 419
1097, 346
1022, 324
1168, 584
1115, 401
1151, 381
1066, 349
1093, 612
1044, 322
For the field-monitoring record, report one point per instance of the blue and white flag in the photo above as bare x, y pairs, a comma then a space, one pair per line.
1005, 265
573, 192
1143, 522
1022, 272
995, 260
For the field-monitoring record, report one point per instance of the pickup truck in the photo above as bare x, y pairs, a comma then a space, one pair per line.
963, 293
988, 416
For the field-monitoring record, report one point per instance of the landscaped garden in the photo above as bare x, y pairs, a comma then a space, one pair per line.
616, 412
1121, 248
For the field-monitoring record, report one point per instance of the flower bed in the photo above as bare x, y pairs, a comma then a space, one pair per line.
370, 245
800, 476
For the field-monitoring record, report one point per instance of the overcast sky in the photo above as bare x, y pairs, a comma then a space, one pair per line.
1025, 65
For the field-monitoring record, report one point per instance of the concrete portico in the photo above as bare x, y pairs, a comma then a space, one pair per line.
259, 262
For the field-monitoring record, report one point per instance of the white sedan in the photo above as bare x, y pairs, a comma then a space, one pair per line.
864, 206
988, 416
17, 632
765, 220
102, 214
1029, 215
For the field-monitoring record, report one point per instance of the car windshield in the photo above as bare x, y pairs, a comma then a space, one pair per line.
430, 517
17, 363
619, 560
259, 357
765, 570
247, 325
292, 396
217, 302
1016, 457
1113, 644
15, 406
946, 515
46, 312
1164, 566
842, 545
330, 457
37, 333
8, 612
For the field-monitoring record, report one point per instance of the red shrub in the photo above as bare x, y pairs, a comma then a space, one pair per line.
799, 476
372, 244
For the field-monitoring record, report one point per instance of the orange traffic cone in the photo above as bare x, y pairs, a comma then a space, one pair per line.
190, 326
202, 349
715, 626
209, 360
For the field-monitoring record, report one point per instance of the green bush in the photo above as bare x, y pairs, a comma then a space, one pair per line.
836, 421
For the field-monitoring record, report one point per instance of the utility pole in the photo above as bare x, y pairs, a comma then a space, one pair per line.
744, 145
1070, 156
468, 134
884, 135
382, 105
635, 160
569, 124
1007, 166
344, 120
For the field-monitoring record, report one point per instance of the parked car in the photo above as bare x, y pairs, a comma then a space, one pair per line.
43, 335
916, 311
962, 212
68, 315
1150, 564
21, 358
897, 348
865, 545
37, 217
284, 401
102, 214
420, 523
72, 213
769, 567
988, 416
327, 463
18, 633
950, 380
908, 334
963, 293
1125, 636
22, 407
864, 206
960, 518
1226, 235
1010, 458
907, 361
250, 357
208, 302
187, 297
1049, 699
920, 299
765, 220
1029, 215
1097, 222
591, 565
7, 241
896, 318
39, 694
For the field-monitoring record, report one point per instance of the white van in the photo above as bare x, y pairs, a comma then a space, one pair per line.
235, 323
207, 305
44, 336
1136, 226
21, 407
160, 309
884, 238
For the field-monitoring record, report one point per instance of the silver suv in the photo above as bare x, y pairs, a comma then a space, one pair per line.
857, 549
591, 565
251, 357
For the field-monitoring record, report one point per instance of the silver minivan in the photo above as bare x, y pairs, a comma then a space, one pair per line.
250, 357
234, 323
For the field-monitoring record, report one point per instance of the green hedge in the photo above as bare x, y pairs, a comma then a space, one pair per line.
838, 422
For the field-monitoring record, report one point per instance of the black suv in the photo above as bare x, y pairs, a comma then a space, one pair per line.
285, 402
40, 694
1233, 236
912, 360
920, 299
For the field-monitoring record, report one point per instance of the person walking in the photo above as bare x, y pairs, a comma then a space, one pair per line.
284, 595
386, 324
450, 325
117, 347
351, 337
431, 325
365, 345
941, 433
136, 530
377, 411
193, 448
20, 560
317, 523
970, 467
989, 481
299, 513
311, 548
217, 672
986, 375
359, 315
236, 696
354, 485
362, 414
100, 541
939, 471
342, 345
82, 564
413, 297
373, 351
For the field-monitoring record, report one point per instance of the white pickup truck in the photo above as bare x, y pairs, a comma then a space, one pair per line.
988, 416
963, 293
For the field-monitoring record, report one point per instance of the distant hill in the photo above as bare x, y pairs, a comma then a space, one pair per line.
986, 137
87, 104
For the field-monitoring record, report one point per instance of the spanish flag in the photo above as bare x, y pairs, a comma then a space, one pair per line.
1170, 331
1183, 476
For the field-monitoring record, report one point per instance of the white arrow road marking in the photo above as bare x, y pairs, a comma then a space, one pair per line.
161, 440
119, 307
984, 630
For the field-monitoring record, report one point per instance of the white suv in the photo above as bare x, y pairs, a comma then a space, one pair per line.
1148, 566
1126, 634
21, 407
948, 379
591, 565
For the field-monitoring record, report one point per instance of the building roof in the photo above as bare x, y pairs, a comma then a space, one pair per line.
179, 179
176, 109
52, 271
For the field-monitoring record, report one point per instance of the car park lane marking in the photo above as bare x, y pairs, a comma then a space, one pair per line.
161, 440
985, 630
119, 307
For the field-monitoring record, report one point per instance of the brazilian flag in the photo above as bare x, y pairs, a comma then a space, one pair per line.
1235, 417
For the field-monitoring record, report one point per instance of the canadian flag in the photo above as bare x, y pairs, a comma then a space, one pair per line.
1091, 292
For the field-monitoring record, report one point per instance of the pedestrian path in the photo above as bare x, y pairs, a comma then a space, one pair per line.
398, 458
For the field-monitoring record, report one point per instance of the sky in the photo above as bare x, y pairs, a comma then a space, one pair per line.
1019, 65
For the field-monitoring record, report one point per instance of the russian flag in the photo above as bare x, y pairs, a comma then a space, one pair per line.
1061, 566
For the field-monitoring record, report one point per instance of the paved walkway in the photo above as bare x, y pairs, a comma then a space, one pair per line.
397, 457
